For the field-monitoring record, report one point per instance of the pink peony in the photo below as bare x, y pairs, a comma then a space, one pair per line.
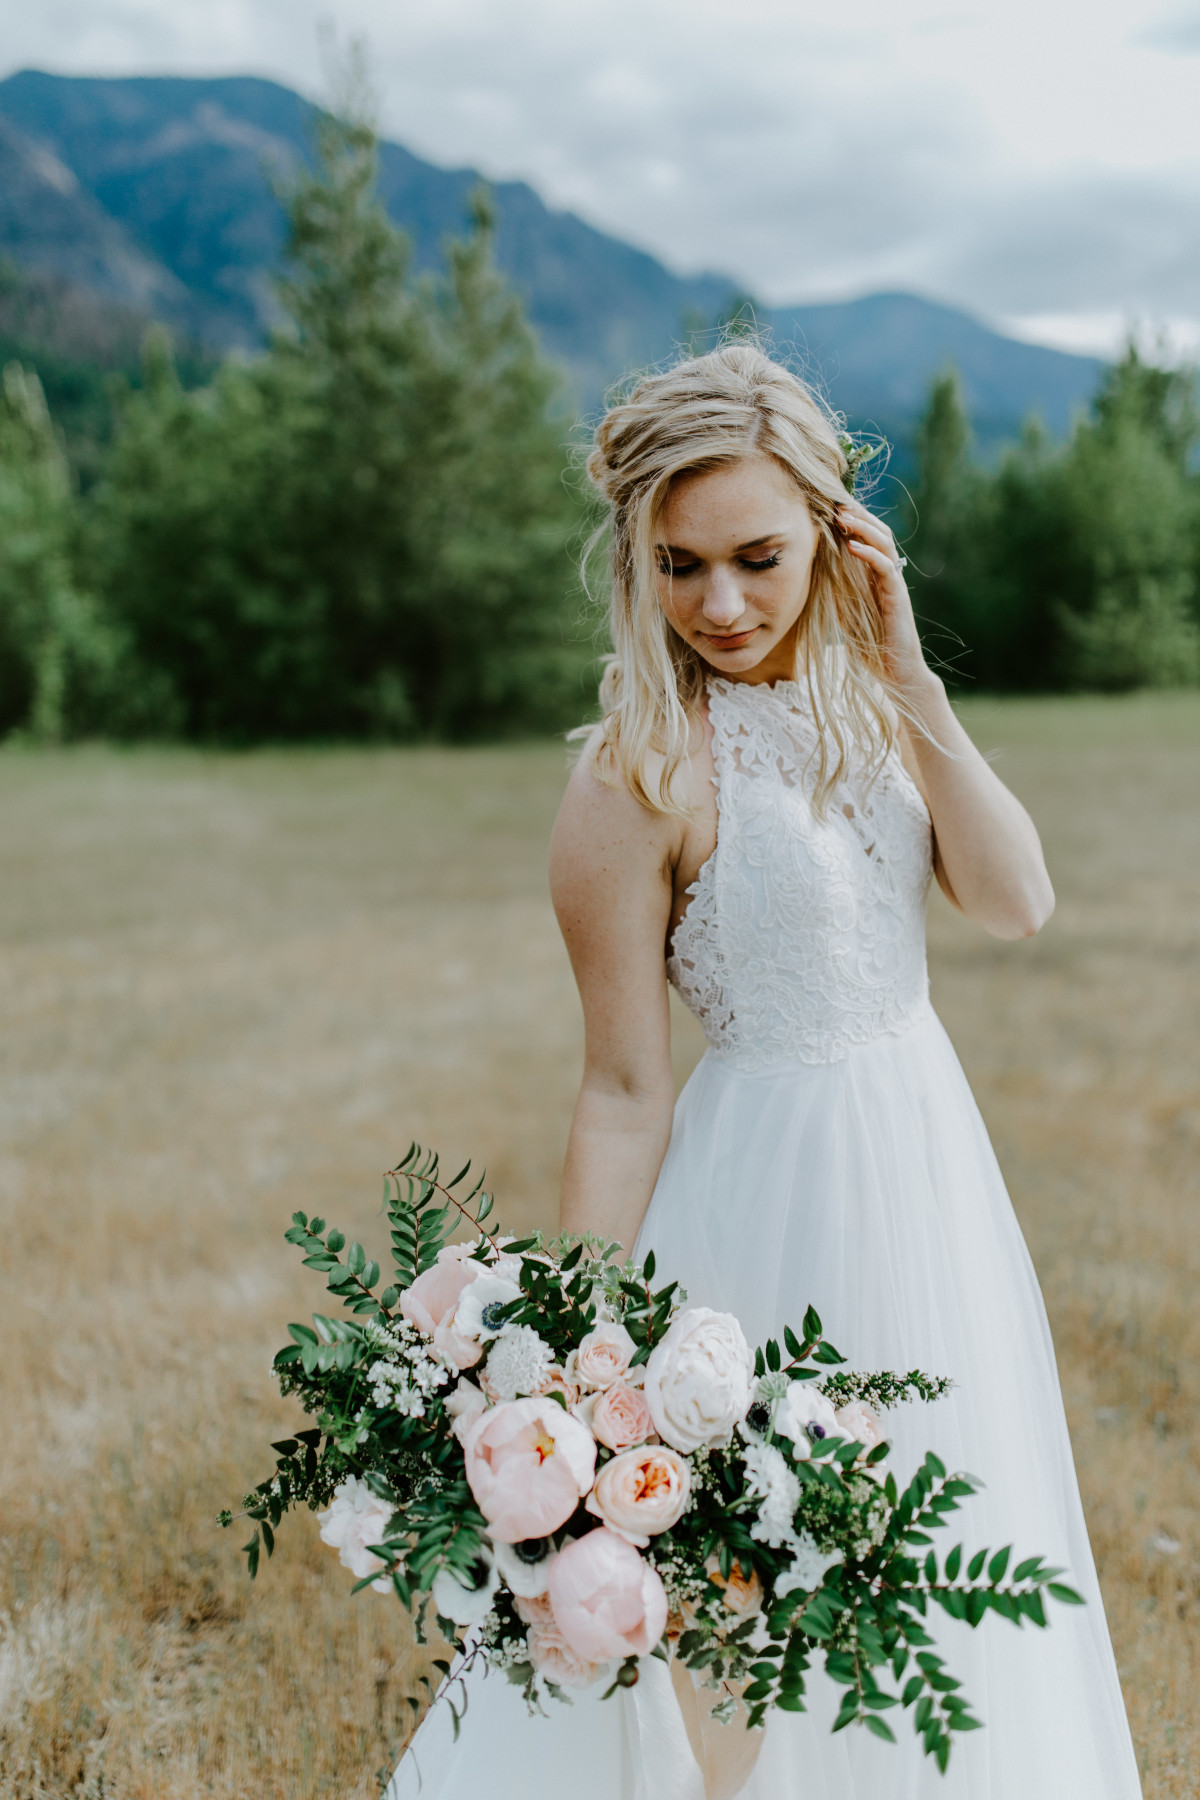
620, 1417
607, 1601
529, 1464
554, 1659
602, 1357
430, 1302
641, 1492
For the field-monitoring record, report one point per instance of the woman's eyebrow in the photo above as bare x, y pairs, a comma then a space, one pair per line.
768, 537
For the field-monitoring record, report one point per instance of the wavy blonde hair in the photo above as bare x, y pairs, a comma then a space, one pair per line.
701, 413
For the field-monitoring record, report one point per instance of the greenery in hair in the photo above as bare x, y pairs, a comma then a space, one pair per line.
857, 457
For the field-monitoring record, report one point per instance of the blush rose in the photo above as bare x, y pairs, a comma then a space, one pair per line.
620, 1417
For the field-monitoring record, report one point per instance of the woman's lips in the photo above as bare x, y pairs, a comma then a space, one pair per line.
733, 641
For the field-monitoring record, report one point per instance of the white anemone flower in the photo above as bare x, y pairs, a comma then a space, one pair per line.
523, 1577
477, 1314
467, 1605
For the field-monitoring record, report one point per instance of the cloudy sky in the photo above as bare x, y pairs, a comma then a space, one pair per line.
1037, 161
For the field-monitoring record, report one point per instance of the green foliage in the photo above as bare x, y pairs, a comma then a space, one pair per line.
1075, 567
64, 666
367, 531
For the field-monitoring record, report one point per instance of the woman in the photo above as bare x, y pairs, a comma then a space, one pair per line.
777, 775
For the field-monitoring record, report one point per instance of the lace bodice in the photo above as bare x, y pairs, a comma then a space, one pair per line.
803, 937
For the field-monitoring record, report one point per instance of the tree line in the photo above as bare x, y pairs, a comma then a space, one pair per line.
370, 531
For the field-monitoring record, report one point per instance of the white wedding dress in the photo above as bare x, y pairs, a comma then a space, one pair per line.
828, 1149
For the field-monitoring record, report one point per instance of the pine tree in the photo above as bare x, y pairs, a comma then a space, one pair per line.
368, 531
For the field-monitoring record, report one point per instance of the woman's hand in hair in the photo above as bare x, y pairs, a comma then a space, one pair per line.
871, 542
987, 856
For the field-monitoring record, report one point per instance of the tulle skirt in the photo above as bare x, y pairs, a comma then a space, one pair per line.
867, 1186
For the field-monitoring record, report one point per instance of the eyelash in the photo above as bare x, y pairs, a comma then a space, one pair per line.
683, 570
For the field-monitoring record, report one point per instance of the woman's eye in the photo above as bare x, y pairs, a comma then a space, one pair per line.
678, 568
769, 562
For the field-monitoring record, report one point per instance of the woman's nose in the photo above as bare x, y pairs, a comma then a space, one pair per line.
723, 601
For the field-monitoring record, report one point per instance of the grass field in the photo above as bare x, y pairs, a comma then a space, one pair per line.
237, 985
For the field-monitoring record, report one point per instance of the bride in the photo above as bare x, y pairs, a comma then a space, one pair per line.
777, 776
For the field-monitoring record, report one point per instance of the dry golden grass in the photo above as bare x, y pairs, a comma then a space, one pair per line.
234, 986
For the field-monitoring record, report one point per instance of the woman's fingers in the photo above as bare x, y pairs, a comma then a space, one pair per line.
857, 519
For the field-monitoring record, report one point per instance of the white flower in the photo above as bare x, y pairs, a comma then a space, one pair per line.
770, 1481
808, 1567
519, 1362
476, 1314
700, 1379
453, 1599
520, 1576
804, 1415
464, 1406
354, 1519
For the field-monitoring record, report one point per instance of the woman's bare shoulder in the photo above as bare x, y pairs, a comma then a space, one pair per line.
600, 816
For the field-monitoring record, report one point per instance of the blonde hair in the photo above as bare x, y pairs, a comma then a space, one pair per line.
704, 412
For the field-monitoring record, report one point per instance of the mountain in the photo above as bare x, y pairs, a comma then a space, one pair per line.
158, 194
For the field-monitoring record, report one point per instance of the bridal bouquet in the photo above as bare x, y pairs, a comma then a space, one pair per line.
570, 1470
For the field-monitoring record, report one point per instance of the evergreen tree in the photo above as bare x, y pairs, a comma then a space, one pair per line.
941, 539
368, 531
62, 664
1131, 506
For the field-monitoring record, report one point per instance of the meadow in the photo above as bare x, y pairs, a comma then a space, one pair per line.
237, 985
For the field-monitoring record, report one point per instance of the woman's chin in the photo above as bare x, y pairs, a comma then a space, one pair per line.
746, 659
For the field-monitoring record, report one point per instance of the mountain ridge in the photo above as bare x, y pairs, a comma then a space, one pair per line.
154, 192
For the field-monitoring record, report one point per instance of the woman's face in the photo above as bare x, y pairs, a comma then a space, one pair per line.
735, 548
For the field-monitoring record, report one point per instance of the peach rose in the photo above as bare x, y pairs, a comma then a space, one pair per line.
430, 1303
602, 1357
554, 1659
742, 1593
857, 1421
529, 1464
641, 1492
607, 1601
620, 1417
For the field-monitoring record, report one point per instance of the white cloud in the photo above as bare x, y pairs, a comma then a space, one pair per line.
1036, 161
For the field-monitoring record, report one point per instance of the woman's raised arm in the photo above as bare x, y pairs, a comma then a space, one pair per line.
611, 863
988, 857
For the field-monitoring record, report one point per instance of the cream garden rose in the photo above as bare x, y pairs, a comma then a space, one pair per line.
700, 1379
602, 1357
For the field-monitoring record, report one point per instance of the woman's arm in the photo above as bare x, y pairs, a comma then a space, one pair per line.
611, 863
988, 855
